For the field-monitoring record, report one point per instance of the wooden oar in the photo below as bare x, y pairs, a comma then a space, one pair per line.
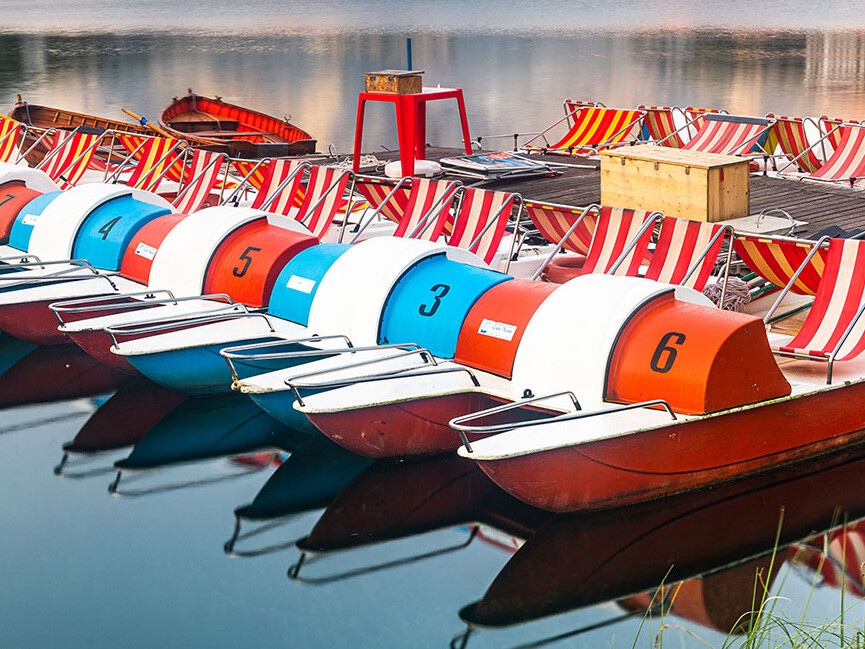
146, 122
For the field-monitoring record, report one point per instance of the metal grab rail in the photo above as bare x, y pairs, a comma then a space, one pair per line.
93, 304
78, 263
23, 257
173, 322
63, 275
457, 422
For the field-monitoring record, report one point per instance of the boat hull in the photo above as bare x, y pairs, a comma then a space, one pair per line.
686, 456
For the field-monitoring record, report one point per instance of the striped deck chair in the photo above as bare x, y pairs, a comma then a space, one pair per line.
686, 252
697, 116
828, 127
620, 243
730, 134
69, 155
788, 135
200, 177
323, 201
594, 129
571, 106
571, 227
833, 329
481, 220
157, 158
847, 162
376, 191
280, 193
659, 126
10, 132
777, 259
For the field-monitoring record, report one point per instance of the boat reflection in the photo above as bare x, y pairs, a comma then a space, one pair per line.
121, 421
309, 479
391, 501
30, 375
710, 545
205, 428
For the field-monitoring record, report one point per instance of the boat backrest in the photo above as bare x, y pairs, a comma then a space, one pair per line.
473, 228
729, 134
776, 259
686, 252
199, 179
26, 219
10, 133
14, 195
553, 222
847, 161
298, 282
69, 155
141, 251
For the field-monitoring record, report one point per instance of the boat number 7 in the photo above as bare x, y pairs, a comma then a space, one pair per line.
440, 290
237, 271
8, 198
666, 352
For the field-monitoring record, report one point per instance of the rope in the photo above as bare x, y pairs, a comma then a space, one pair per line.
737, 296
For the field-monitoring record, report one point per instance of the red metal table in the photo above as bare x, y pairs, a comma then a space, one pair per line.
410, 123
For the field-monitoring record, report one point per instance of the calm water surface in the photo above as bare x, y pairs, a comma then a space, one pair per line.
343, 553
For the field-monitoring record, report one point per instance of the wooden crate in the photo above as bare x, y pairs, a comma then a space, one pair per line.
394, 82
688, 184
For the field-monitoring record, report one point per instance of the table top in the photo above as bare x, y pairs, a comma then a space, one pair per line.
428, 92
683, 157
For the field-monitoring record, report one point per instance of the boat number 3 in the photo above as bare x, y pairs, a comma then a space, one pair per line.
237, 271
105, 229
665, 353
8, 198
439, 291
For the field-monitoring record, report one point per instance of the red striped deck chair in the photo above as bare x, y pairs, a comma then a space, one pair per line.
776, 259
555, 222
376, 190
686, 252
481, 221
323, 201
833, 329
280, 195
659, 126
69, 155
829, 126
594, 129
730, 134
427, 210
847, 162
157, 158
200, 177
620, 243
788, 135
10, 132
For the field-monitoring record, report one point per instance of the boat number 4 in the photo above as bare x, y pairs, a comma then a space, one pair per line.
439, 291
105, 229
665, 353
237, 271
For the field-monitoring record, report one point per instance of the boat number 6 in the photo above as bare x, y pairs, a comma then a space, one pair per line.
237, 271
440, 291
666, 352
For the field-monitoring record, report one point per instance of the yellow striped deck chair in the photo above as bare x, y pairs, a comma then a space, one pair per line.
157, 158
10, 131
594, 129
571, 107
659, 126
69, 156
788, 135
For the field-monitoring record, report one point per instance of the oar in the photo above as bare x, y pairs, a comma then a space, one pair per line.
146, 122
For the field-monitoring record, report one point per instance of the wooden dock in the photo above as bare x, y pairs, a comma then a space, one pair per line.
819, 205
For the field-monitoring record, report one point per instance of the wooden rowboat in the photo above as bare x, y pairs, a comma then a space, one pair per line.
237, 131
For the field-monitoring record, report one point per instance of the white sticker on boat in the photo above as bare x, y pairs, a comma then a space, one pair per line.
497, 330
302, 284
143, 250
30, 219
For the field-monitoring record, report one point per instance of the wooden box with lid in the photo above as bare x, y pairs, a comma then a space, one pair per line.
688, 184
394, 82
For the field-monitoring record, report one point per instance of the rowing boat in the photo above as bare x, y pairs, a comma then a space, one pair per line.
231, 129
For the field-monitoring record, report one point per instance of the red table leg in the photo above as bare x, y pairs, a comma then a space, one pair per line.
358, 135
464, 120
406, 122
420, 129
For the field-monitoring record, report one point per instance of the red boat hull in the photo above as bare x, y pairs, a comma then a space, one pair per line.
678, 458
409, 428
98, 344
33, 322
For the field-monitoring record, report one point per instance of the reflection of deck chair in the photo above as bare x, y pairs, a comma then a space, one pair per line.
156, 158
730, 134
687, 251
427, 210
200, 178
847, 162
659, 126
788, 135
620, 242
594, 129
10, 132
480, 221
69, 155
833, 329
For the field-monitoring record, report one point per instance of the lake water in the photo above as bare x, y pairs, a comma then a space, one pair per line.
403, 554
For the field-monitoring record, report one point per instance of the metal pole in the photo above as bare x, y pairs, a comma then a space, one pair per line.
408, 53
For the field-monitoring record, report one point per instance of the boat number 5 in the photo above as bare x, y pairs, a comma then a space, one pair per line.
237, 271
665, 353
440, 290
